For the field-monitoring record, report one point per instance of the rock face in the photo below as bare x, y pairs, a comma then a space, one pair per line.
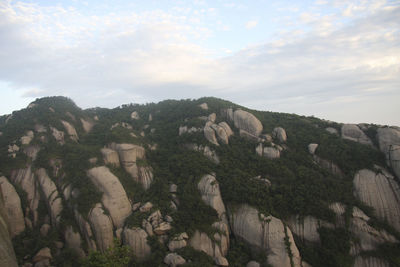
270, 152
381, 192
370, 262
102, 227
86, 230
209, 134
87, 125
70, 130
306, 228
211, 195
204, 106
13, 208
26, 139
312, 148
280, 134
58, 135
332, 130
26, 180
136, 238
247, 122
389, 144
7, 255
178, 242
73, 241
53, 200
264, 233
114, 196
135, 115
206, 150
173, 259
110, 156
354, 133
201, 242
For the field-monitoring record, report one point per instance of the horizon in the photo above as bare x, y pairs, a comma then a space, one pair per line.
335, 60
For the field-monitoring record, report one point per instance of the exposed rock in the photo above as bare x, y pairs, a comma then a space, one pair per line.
249, 136
211, 195
102, 227
162, 228
26, 180
173, 188
173, 259
40, 128
185, 129
280, 134
206, 150
222, 236
136, 206
178, 242
266, 234
147, 226
44, 229
221, 133
110, 156
58, 135
209, 134
312, 148
394, 158
306, 228
87, 125
252, 264
221, 261
123, 125
201, 242
43, 254
212, 117
26, 139
260, 149
53, 201
146, 207
381, 192
86, 230
135, 115
168, 218
145, 176
271, 152
332, 130
339, 209
204, 106
31, 151
366, 261
136, 238
266, 137
329, 165
73, 241
227, 128
247, 122
12, 204
70, 130
12, 150
389, 144
354, 133
72, 117
7, 254
114, 197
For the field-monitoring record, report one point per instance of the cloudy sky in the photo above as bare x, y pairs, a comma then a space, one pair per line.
337, 60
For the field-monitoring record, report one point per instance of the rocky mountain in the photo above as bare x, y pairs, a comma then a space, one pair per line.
200, 182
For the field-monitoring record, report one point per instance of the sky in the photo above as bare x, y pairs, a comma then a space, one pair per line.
337, 60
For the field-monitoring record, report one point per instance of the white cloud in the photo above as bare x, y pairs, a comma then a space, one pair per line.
251, 24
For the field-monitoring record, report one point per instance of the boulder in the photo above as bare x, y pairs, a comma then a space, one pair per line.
227, 128
201, 242
305, 228
381, 192
73, 241
265, 234
26, 139
228, 114
209, 134
211, 195
353, 133
43, 254
135, 115
114, 197
86, 230
247, 122
339, 209
332, 130
44, 229
178, 242
110, 156
136, 238
203, 106
27, 181
252, 264
87, 125
146, 207
368, 261
173, 259
148, 227
329, 165
173, 188
221, 133
58, 135
70, 130
394, 158
40, 128
212, 117
162, 228
221, 261
280, 134
53, 200
32, 151
271, 152
312, 148
102, 227
389, 144
12, 204
260, 149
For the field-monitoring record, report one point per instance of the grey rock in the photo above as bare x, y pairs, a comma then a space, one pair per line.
26, 139
280, 134
102, 227
146, 207
58, 135
252, 264
43, 254
247, 122
366, 261
136, 238
312, 148
173, 188
135, 115
44, 229
87, 125
389, 144
204, 106
332, 130
73, 241
353, 133
212, 117
70, 130
211, 195
271, 152
173, 259
209, 134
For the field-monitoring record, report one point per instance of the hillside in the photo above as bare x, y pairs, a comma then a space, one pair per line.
196, 183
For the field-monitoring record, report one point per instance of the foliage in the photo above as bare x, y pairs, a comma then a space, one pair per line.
116, 256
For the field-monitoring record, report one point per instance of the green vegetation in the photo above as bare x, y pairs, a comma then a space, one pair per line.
117, 256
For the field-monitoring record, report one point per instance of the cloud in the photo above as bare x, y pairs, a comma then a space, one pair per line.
149, 56
251, 24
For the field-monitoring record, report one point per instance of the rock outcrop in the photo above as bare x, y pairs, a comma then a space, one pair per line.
354, 133
206, 150
86, 230
70, 130
13, 208
203, 106
367, 261
209, 134
50, 192
87, 125
202, 242
381, 192
73, 241
332, 130
312, 148
114, 197
173, 259
178, 242
58, 135
265, 234
329, 165
110, 156
280, 134
389, 144
135, 115
306, 228
26, 139
271, 152
248, 122
102, 227
7, 254
136, 238
211, 195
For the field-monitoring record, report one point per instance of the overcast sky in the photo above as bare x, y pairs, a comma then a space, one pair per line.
337, 60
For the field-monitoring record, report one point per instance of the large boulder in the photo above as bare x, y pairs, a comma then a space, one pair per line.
27, 181
306, 228
221, 133
13, 208
70, 130
73, 241
368, 261
264, 234
136, 238
86, 230
114, 197
110, 156
178, 242
354, 133
27, 138
247, 122
173, 259
87, 125
7, 254
102, 227
227, 128
211, 195
389, 144
202, 242
52, 198
209, 134
280, 134
381, 192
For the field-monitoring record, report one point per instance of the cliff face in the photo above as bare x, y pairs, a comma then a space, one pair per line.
195, 182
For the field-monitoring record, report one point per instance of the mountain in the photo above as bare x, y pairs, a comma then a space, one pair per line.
195, 183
